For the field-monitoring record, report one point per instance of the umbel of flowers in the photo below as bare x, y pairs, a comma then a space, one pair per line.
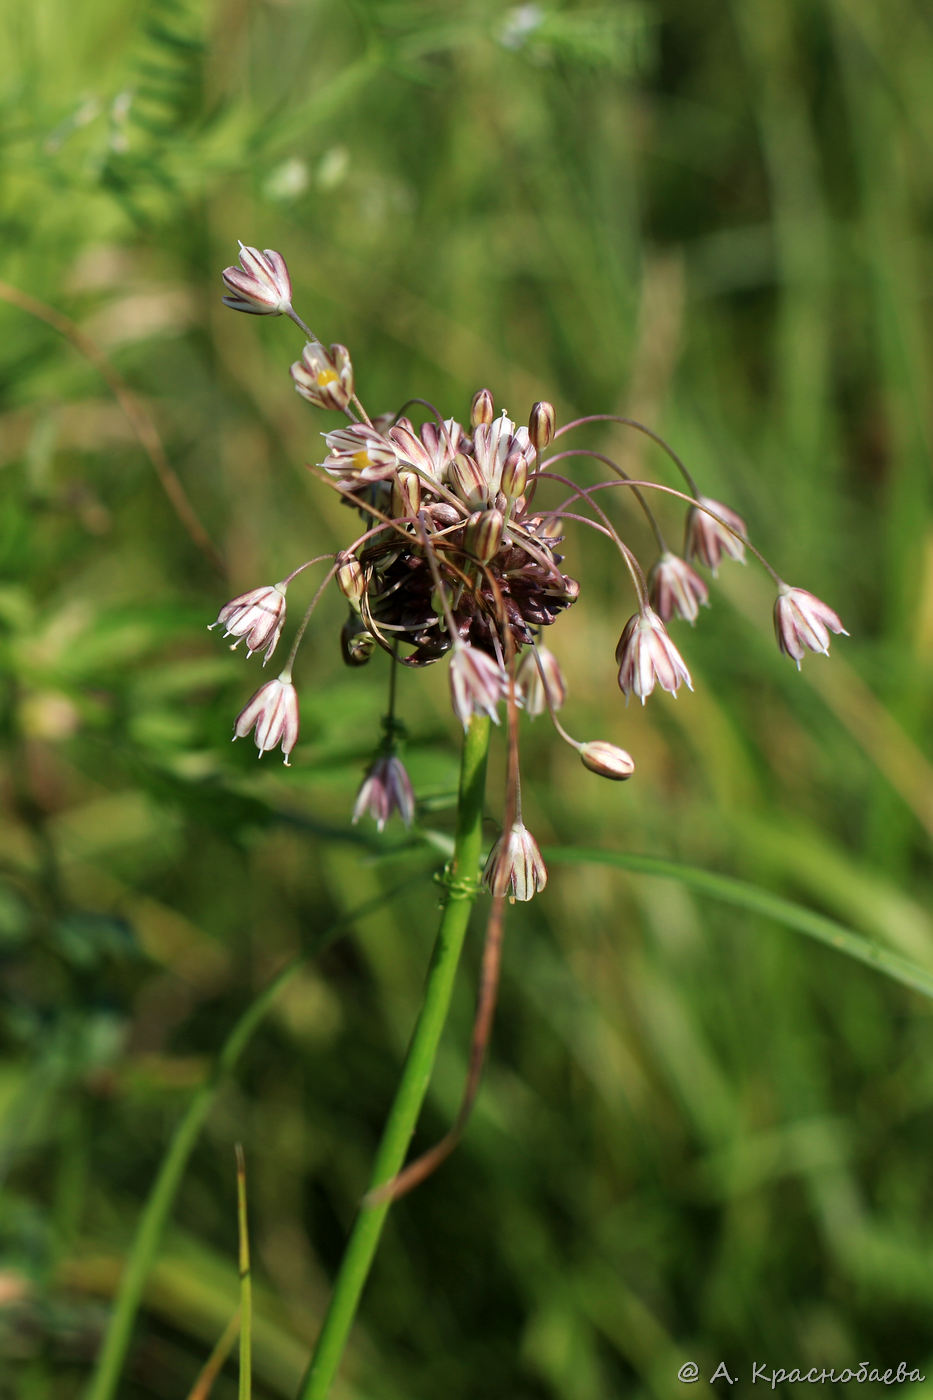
459, 558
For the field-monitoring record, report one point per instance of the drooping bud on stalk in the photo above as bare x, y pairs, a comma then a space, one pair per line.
273, 713
647, 657
540, 682
482, 409
257, 616
607, 760
477, 683
260, 285
802, 622
541, 424
349, 576
483, 535
676, 590
324, 378
406, 493
356, 644
467, 480
385, 789
514, 476
707, 539
515, 865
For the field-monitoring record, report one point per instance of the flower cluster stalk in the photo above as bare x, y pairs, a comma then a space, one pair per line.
463, 885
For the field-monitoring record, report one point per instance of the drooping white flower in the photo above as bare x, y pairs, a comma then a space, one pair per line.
802, 622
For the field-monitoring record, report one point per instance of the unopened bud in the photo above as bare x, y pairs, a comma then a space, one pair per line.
607, 760
541, 424
467, 480
350, 579
483, 535
356, 644
514, 476
482, 409
406, 493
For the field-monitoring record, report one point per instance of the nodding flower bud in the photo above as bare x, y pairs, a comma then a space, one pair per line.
515, 866
676, 589
541, 424
802, 622
607, 760
467, 480
349, 575
540, 682
273, 713
324, 378
385, 789
514, 476
707, 538
477, 683
406, 493
257, 616
260, 285
356, 644
483, 534
482, 409
647, 657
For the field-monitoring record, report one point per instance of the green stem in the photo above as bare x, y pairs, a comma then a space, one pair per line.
106, 1377
416, 1075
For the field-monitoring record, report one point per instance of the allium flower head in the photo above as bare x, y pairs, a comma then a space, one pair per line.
707, 540
647, 656
273, 713
676, 589
385, 789
515, 865
260, 285
803, 623
257, 616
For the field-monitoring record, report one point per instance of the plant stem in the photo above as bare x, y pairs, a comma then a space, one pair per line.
416, 1074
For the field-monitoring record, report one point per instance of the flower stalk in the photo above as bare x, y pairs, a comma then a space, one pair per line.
463, 886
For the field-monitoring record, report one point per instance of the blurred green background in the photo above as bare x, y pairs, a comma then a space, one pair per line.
700, 1137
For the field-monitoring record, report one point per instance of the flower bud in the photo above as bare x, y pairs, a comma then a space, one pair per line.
467, 480
676, 589
714, 530
802, 622
647, 657
257, 616
540, 682
515, 865
607, 760
356, 643
349, 576
273, 714
514, 476
541, 424
406, 493
483, 535
324, 379
260, 285
482, 409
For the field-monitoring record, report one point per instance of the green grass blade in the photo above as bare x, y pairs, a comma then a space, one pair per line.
246, 1287
769, 906
106, 1375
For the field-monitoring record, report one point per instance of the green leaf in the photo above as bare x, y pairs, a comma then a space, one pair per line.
758, 901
